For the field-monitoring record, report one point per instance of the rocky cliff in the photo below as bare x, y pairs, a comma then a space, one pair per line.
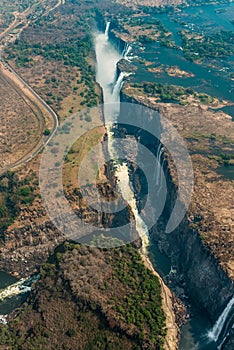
194, 245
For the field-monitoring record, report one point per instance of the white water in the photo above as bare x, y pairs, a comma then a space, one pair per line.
15, 289
216, 331
107, 59
128, 195
159, 156
126, 51
224, 339
118, 86
107, 29
3, 319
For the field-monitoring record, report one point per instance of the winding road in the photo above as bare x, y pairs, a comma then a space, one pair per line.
18, 81
45, 140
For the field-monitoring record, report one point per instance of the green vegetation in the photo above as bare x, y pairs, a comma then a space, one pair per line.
73, 52
224, 159
8, 7
47, 132
173, 93
156, 10
220, 44
13, 194
68, 49
90, 298
153, 28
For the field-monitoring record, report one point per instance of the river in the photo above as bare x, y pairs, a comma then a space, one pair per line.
13, 292
214, 79
195, 332
7, 305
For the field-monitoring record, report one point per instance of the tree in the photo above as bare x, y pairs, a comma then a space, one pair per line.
47, 132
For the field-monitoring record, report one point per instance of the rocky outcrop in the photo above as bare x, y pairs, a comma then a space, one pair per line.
29, 241
199, 273
33, 236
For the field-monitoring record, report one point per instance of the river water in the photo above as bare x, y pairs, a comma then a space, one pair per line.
214, 80
8, 305
195, 332
13, 292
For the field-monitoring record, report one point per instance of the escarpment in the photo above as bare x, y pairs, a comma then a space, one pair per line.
200, 248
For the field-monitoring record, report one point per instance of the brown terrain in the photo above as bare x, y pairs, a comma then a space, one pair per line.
91, 298
208, 135
23, 118
32, 237
154, 3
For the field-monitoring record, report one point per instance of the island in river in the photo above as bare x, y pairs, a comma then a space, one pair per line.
29, 238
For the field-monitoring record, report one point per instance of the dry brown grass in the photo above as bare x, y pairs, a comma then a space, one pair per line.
22, 123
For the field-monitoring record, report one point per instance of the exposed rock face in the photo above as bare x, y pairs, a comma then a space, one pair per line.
33, 236
29, 241
208, 284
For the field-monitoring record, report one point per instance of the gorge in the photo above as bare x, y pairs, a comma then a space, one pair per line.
194, 260
197, 257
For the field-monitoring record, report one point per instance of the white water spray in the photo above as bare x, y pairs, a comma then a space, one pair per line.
118, 86
107, 59
216, 331
15, 289
126, 51
107, 29
159, 157
20, 287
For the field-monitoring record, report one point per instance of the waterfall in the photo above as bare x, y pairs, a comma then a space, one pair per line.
129, 49
158, 168
118, 85
107, 60
216, 331
126, 51
107, 29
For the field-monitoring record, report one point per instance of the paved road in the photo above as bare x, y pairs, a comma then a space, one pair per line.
45, 140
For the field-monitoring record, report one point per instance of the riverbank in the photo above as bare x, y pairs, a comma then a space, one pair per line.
123, 302
200, 249
108, 59
171, 306
207, 135
30, 240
